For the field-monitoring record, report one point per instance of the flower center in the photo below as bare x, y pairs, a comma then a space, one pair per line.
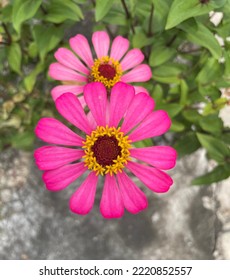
106, 150
106, 70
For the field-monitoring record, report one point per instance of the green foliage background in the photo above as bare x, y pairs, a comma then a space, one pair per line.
191, 70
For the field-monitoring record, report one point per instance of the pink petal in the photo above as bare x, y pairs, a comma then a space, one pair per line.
140, 73
140, 107
59, 90
139, 89
91, 120
101, 43
51, 157
155, 124
155, 179
81, 202
70, 108
52, 131
81, 47
58, 71
82, 101
119, 47
96, 98
111, 205
132, 59
60, 178
134, 199
68, 59
121, 96
163, 157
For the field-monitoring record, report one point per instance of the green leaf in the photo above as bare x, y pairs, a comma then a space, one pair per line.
219, 173
192, 116
157, 94
168, 74
212, 124
171, 109
198, 34
24, 10
47, 38
183, 92
59, 11
6, 14
140, 40
102, 8
214, 107
30, 79
187, 144
160, 54
14, 55
210, 72
115, 17
161, 10
215, 147
177, 126
181, 10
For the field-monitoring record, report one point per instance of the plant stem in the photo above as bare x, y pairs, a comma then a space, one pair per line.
7, 33
128, 16
170, 42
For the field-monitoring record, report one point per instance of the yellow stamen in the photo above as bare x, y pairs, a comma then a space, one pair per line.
96, 75
118, 163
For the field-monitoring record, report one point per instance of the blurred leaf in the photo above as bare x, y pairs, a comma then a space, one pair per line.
160, 54
115, 17
199, 34
23, 10
213, 107
210, 71
59, 11
33, 50
187, 144
6, 14
157, 94
169, 74
140, 40
212, 124
177, 126
171, 109
23, 140
14, 55
30, 79
217, 174
47, 38
102, 8
223, 29
184, 92
215, 147
181, 10
161, 9
192, 116
144, 143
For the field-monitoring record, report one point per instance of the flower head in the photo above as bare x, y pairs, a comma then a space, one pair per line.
106, 149
109, 65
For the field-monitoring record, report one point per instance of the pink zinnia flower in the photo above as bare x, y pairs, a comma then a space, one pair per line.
106, 149
77, 68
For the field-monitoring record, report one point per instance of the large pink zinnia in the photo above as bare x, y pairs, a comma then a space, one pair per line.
75, 69
106, 149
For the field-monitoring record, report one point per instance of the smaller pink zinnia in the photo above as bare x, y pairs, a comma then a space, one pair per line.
106, 149
77, 68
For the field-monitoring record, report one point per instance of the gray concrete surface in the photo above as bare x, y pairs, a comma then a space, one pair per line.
186, 223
